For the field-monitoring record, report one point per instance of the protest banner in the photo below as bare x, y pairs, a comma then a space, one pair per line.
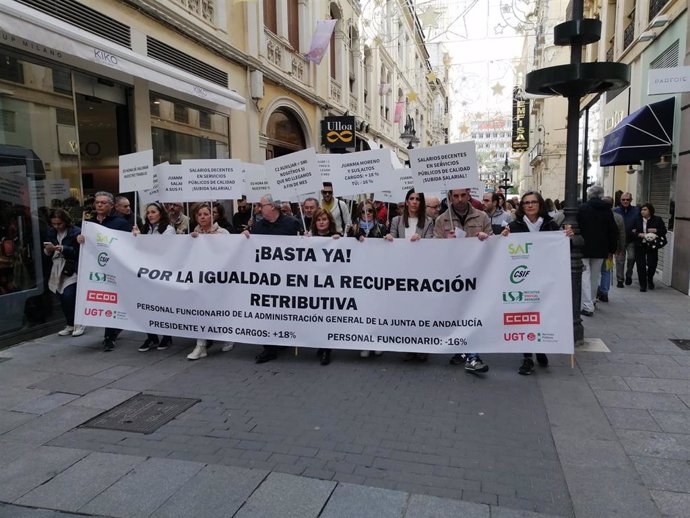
292, 175
446, 167
255, 182
505, 294
136, 171
362, 172
211, 179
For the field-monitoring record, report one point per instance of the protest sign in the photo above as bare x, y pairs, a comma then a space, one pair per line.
362, 172
13, 185
505, 294
292, 175
211, 179
136, 171
441, 168
255, 182
170, 183
48, 190
154, 193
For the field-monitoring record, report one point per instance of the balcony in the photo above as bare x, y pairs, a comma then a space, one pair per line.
535, 154
629, 34
336, 91
281, 55
655, 7
354, 104
204, 9
367, 112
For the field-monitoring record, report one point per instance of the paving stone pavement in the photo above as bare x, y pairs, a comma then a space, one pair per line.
360, 437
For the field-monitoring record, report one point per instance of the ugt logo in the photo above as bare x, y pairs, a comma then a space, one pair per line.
519, 274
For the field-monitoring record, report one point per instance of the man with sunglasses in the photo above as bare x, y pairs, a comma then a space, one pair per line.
626, 260
462, 218
337, 208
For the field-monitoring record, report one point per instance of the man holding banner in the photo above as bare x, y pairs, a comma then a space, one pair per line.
461, 219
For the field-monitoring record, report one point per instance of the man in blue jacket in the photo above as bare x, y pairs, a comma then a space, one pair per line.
105, 214
626, 260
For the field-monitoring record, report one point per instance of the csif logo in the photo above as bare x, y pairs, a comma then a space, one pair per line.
522, 318
519, 274
103, 259
107, 297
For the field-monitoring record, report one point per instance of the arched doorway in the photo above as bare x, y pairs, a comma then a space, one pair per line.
284, 134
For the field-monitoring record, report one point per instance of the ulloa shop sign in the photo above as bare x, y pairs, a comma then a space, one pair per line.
338, 132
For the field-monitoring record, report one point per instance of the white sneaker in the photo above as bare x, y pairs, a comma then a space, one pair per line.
199, 351
78, 330
364, 354
229, 346
66, 331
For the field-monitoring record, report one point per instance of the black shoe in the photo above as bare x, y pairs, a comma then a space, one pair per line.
650, 285
325, 357
265, 357
458, 359
147, 344
422, 357
620, 284
108, 345
475, 364
542, 360
586, 313
165, 343
604, 297
628, 281
527, 367
409, 357
643, 289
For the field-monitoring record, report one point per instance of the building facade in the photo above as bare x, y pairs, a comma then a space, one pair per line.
83, 82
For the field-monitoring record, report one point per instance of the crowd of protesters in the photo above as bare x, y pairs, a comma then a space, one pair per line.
624, 236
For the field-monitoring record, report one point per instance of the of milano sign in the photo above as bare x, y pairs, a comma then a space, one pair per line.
338, 132
520, 121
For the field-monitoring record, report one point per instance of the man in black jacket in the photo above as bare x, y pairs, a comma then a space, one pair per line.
600, 234
106, 215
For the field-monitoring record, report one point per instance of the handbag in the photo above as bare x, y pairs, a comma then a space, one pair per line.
660, 242
70, 267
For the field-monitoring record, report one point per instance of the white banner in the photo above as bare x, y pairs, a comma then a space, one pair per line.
212, 179
362, 172
505, 294
293, 174
441, 168
136, 171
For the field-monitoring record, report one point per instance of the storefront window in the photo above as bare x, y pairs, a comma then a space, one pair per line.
182, 131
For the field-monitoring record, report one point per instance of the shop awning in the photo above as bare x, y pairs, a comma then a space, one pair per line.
643, 135
29, 30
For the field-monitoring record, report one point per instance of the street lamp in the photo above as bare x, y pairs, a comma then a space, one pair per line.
409, 134
505, 185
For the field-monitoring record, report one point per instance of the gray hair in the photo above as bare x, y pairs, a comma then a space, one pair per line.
277, 204
595, 191
105, 194
316, 202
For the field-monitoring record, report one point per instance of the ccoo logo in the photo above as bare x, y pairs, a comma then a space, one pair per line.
107, 297
519, 274
522, 318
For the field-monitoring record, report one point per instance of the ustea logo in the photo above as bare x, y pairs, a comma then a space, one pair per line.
519, 274
520, 297
102, 277
103, 259
522, 318
519, 251
107, 297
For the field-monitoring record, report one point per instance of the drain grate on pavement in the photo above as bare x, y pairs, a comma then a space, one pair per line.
681, 343
142, 413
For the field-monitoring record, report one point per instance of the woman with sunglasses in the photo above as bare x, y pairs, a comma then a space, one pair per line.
365, 226
533, 216
413, 225
157, 223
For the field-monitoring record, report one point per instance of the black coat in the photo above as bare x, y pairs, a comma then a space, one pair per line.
598, 229
519, 225
654, 222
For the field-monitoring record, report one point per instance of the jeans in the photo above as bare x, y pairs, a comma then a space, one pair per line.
625, 261
591, 274
68, 301
605, 282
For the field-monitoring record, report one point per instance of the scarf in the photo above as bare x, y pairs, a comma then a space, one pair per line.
366, 225
533, 227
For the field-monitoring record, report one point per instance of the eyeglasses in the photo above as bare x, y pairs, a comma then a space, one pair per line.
487, 200
530, 202
369, 211
101, 203
626, 199
434, 207
327, 193
266, 205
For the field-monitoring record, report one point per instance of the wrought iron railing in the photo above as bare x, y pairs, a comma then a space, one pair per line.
535, 154
609, 54
629, 34
655, 7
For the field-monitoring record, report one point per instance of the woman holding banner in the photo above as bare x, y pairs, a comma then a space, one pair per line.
365, 226
157, 223
323, 225
414, 225
203, 215
532, 215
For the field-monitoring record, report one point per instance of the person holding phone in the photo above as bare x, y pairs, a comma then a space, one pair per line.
63, 248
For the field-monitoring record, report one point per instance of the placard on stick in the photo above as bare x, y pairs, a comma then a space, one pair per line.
255, 182
362, 172
212, 179
292, 175
446, 167
136, 171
